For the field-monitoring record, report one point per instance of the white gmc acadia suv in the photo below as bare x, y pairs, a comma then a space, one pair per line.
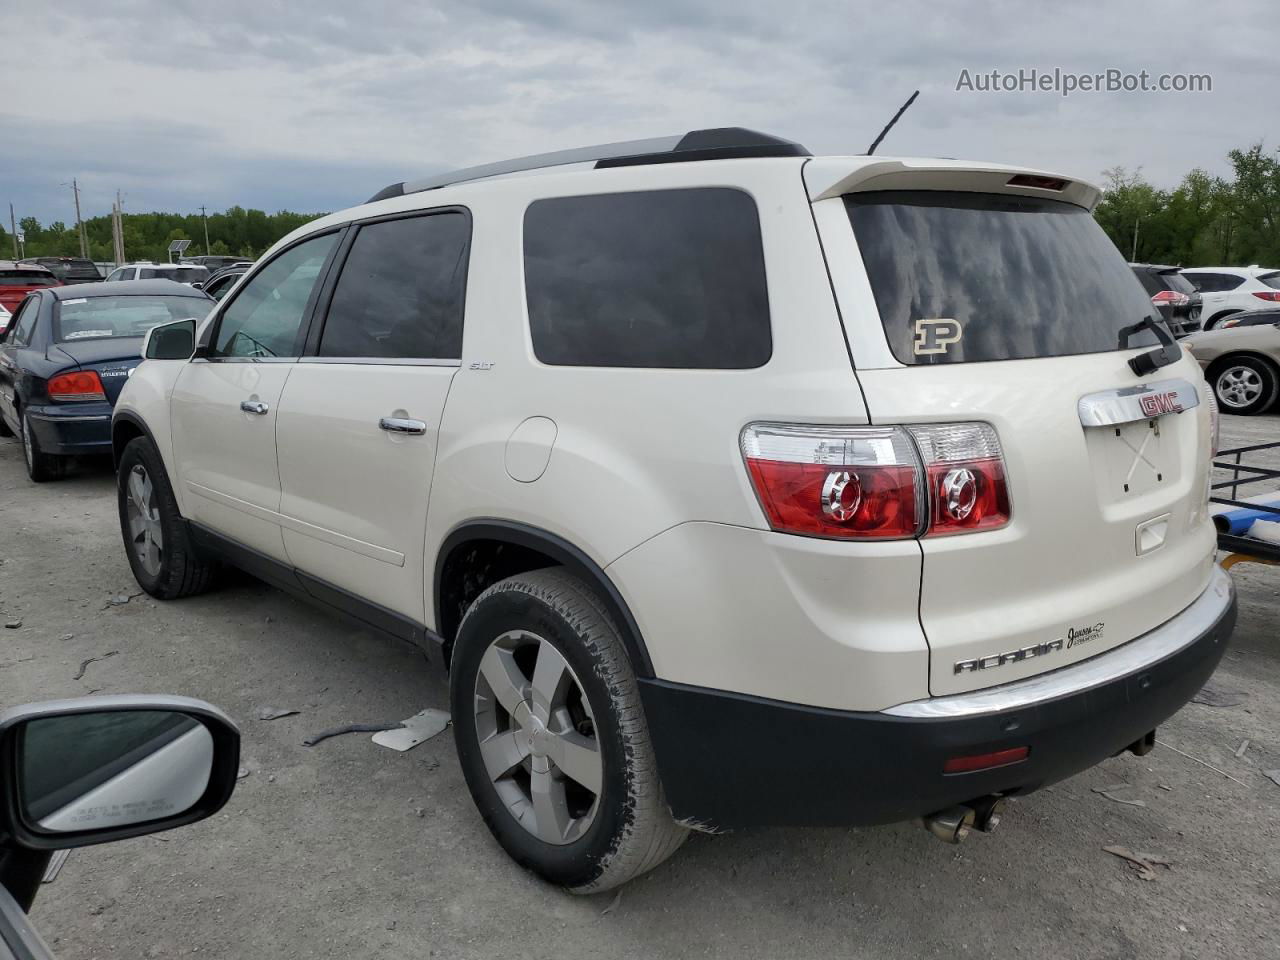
732, 485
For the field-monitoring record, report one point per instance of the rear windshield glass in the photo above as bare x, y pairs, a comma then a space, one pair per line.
99, 318
969, 277
27, 278
1177, 282
1271, 279
180, 274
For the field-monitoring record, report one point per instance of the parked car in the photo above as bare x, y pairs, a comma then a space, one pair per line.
68, 269
1242, 361
180, 273
96, 770
220, 284
66, 356
730, 493
18, 279
1228, 290
214, 262
1174, 296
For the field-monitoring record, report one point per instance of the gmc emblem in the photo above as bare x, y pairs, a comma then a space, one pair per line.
1157, 404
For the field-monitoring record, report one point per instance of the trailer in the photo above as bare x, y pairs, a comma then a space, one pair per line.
1248, 525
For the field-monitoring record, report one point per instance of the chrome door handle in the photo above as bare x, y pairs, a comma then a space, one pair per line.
253, 406
400, 425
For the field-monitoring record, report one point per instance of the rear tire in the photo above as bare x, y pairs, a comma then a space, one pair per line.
41, 467
161, 555
1245, 385
540, 677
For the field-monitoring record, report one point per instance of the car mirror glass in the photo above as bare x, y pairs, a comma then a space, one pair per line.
105, 768
171, 341
90, 771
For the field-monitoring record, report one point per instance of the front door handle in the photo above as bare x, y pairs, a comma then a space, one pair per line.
400, 425
253, 406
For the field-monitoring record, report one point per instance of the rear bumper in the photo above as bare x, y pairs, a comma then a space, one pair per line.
728, 760
80, 430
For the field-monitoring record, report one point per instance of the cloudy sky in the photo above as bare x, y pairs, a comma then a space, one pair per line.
315, 106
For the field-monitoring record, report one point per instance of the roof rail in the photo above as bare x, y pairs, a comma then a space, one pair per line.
719, 143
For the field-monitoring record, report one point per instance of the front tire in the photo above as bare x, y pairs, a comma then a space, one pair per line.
1246, 385
161, 555
41, 466
551, 735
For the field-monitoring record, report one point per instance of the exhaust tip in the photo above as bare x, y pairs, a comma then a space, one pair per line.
951, 825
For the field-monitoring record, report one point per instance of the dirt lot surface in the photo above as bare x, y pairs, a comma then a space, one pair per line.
351, 850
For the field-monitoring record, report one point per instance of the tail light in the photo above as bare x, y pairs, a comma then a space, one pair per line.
877, 482
846, 482
80, 385
1272, 296
1170, 298
967, 486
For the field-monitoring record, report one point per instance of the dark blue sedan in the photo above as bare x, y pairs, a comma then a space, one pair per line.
67, 353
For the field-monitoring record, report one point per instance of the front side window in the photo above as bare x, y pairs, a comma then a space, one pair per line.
660, 278
101, 318
971, 277
266, 316
401, 291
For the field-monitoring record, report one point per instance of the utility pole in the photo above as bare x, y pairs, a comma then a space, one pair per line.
84, 241
1134, 257
13, 230
117, 230
205, 217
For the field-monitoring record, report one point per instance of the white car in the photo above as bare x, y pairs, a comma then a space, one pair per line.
180, 272
733, 486
1228, 290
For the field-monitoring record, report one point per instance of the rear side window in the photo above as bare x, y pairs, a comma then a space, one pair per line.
1175, 281
401, 290
661, 278
1214, 282
1272, 280
963, 277
25, 321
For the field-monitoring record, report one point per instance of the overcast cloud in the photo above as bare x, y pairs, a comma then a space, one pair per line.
314, 106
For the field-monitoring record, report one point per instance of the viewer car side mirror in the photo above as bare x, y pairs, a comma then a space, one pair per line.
98, 769
175, 340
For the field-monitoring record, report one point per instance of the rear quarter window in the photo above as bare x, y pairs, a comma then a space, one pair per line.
659, 278
963, 277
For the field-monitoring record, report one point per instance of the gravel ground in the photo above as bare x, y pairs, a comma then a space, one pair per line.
351, 850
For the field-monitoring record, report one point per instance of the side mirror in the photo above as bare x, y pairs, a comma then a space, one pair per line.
197, 284
98, 769
170, 341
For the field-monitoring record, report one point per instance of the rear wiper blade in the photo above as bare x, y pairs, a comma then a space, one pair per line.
1146, 363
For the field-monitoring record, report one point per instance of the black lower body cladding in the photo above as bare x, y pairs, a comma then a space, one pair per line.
728, 760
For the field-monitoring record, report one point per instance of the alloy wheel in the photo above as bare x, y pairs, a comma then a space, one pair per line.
1239, 386
145, 533
537, 737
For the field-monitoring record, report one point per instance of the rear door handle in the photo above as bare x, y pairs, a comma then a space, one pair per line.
401, 425
253, 406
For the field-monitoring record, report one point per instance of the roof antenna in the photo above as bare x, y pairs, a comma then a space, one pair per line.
889, 126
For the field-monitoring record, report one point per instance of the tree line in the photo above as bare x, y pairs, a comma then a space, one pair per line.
1205, 221
235, 232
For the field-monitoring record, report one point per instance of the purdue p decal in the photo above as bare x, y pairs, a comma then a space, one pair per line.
935, 336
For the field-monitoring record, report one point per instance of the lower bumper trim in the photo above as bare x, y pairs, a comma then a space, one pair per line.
729, 760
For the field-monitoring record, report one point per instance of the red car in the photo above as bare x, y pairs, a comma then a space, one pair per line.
19, 279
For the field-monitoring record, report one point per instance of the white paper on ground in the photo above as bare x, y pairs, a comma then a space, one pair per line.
421, 726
